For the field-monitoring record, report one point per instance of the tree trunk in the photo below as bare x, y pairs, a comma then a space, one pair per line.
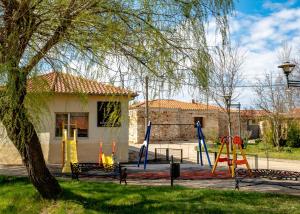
229, 127
38, 172
33, 159
22, 133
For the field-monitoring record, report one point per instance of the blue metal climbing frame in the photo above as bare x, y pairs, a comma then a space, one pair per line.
202, 137
145, 146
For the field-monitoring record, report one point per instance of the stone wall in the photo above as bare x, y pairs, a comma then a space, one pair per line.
223, 124
171, 124
167, 124
136, 126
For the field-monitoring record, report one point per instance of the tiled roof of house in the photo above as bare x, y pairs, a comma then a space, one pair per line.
252, 113
176, 104
293, 113
63, 83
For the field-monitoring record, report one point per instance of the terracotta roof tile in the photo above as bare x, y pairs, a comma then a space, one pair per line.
58, 82
295, 111
253, 113
176, 104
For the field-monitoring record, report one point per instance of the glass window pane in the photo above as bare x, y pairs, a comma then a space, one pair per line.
81, 122
60, 118
109, 114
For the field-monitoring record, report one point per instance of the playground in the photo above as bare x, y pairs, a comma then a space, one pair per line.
168, 166
126, 187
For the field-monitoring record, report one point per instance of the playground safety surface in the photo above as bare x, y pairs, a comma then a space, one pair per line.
192, 175
162, 171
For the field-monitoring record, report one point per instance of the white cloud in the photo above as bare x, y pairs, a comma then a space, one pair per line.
261, 37
278, 6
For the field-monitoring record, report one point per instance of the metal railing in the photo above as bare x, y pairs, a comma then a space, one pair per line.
167, 154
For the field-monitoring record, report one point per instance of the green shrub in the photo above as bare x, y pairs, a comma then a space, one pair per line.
293, 135
282, 142
257, 141
245, 143
288, 149
217, 142
268, 136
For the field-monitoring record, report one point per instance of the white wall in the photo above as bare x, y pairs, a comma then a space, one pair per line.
88, 148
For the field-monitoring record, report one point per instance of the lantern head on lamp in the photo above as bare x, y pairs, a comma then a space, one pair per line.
227, 98
287, 69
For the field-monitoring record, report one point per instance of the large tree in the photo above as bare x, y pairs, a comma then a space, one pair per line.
40, 34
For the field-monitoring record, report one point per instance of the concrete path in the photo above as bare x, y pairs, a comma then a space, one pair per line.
201, 183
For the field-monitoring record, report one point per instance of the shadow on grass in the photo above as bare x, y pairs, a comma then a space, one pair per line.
4, 180
102, 197
127, 200
107, 197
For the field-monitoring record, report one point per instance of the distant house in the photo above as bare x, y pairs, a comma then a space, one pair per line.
262, 118
77, 103
175, 120
254, 120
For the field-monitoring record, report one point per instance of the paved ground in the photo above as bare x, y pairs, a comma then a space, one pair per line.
189, 155
153, 168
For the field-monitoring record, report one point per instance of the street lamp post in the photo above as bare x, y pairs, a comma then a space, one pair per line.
287, 69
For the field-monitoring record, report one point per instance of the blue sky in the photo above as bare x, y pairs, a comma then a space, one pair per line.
263, 7
260, 27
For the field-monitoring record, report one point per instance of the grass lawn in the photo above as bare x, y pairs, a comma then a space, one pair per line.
18, 196
260, 149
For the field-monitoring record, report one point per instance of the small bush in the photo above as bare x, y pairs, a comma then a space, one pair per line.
245, 143
268, 137
217, 141
288, 149
293, 135
257, 141
282, 142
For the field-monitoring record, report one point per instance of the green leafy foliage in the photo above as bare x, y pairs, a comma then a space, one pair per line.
268, 136
257, 141
293, 135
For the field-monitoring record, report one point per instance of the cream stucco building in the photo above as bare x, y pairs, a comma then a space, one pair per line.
79, 103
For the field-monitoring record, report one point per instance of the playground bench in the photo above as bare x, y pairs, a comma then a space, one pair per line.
93, 169
271, 177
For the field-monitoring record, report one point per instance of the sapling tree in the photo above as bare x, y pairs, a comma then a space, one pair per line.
226, 75
272, 98
38, 35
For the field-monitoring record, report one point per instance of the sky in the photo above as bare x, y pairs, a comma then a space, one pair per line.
260, 27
